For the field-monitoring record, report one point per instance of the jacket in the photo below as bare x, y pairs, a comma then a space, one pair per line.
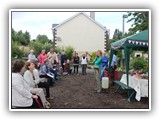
28, 77
41, 58
76, 60
63, 59
104, 61
21, 96
97, 62
67, 67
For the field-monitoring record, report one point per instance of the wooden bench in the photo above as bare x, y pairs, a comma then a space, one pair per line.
130, 90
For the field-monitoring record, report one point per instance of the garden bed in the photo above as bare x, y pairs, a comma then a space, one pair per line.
77, 91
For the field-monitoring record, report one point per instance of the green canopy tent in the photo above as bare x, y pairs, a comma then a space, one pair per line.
137, 41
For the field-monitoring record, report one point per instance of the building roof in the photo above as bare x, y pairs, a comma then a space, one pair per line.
54, 25
103, 27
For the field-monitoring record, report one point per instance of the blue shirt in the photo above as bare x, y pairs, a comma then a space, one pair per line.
104, 61
44, 69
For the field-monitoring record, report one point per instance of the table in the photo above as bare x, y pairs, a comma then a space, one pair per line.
139, 85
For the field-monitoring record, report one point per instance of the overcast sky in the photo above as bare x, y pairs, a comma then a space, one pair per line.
41, 22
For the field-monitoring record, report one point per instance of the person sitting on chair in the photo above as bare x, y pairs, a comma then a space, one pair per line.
21, 95
32, 79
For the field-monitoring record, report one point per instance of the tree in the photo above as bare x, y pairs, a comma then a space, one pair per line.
69, 52
27, 37
117, 34
42, 38
140, 21
37, 46
16, 52
13, 35
20, 37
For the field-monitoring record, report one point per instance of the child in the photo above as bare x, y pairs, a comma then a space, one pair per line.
67, 67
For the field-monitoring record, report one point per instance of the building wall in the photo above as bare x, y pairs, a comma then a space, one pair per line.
81, 33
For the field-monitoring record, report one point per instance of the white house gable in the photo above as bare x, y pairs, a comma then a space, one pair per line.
82, 33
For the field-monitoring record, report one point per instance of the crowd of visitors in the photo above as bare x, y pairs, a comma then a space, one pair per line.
32, 80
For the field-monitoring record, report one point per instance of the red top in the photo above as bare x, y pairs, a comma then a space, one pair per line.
42, 57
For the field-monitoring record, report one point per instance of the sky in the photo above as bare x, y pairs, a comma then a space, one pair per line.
41, 22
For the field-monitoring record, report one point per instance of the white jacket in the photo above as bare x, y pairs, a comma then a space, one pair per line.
21, 96
29, 78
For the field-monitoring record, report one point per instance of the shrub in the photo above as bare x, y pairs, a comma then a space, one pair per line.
69, 52
16, 52
37, 46
47, 46
93, 56
139, 63
59, 49
25, 50
67, 49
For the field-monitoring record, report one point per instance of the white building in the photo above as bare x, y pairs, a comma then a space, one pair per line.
81, 32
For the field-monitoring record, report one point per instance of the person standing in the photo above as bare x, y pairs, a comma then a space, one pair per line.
52, 54
84, 64
76, 62
113, 67
42, 57
63, 60
97, 64
104, 64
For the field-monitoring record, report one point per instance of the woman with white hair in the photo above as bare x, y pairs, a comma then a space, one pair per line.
31, 55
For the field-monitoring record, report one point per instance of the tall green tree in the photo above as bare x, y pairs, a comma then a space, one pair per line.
117, 35
27, 37
13, 34
140, 21
42, 38
20, 37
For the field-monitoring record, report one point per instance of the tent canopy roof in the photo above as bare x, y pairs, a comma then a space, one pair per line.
136, 41
140, 40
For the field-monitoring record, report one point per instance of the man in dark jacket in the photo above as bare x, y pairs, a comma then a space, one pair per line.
76, 62
63, 60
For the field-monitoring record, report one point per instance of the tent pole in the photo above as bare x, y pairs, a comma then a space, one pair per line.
127, 63
110, 59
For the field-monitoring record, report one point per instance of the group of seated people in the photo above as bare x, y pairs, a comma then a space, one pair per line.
27, 86
29, 79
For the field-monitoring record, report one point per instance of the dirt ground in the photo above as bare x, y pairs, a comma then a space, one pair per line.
77, 92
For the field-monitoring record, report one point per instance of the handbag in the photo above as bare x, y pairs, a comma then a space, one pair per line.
38, 103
